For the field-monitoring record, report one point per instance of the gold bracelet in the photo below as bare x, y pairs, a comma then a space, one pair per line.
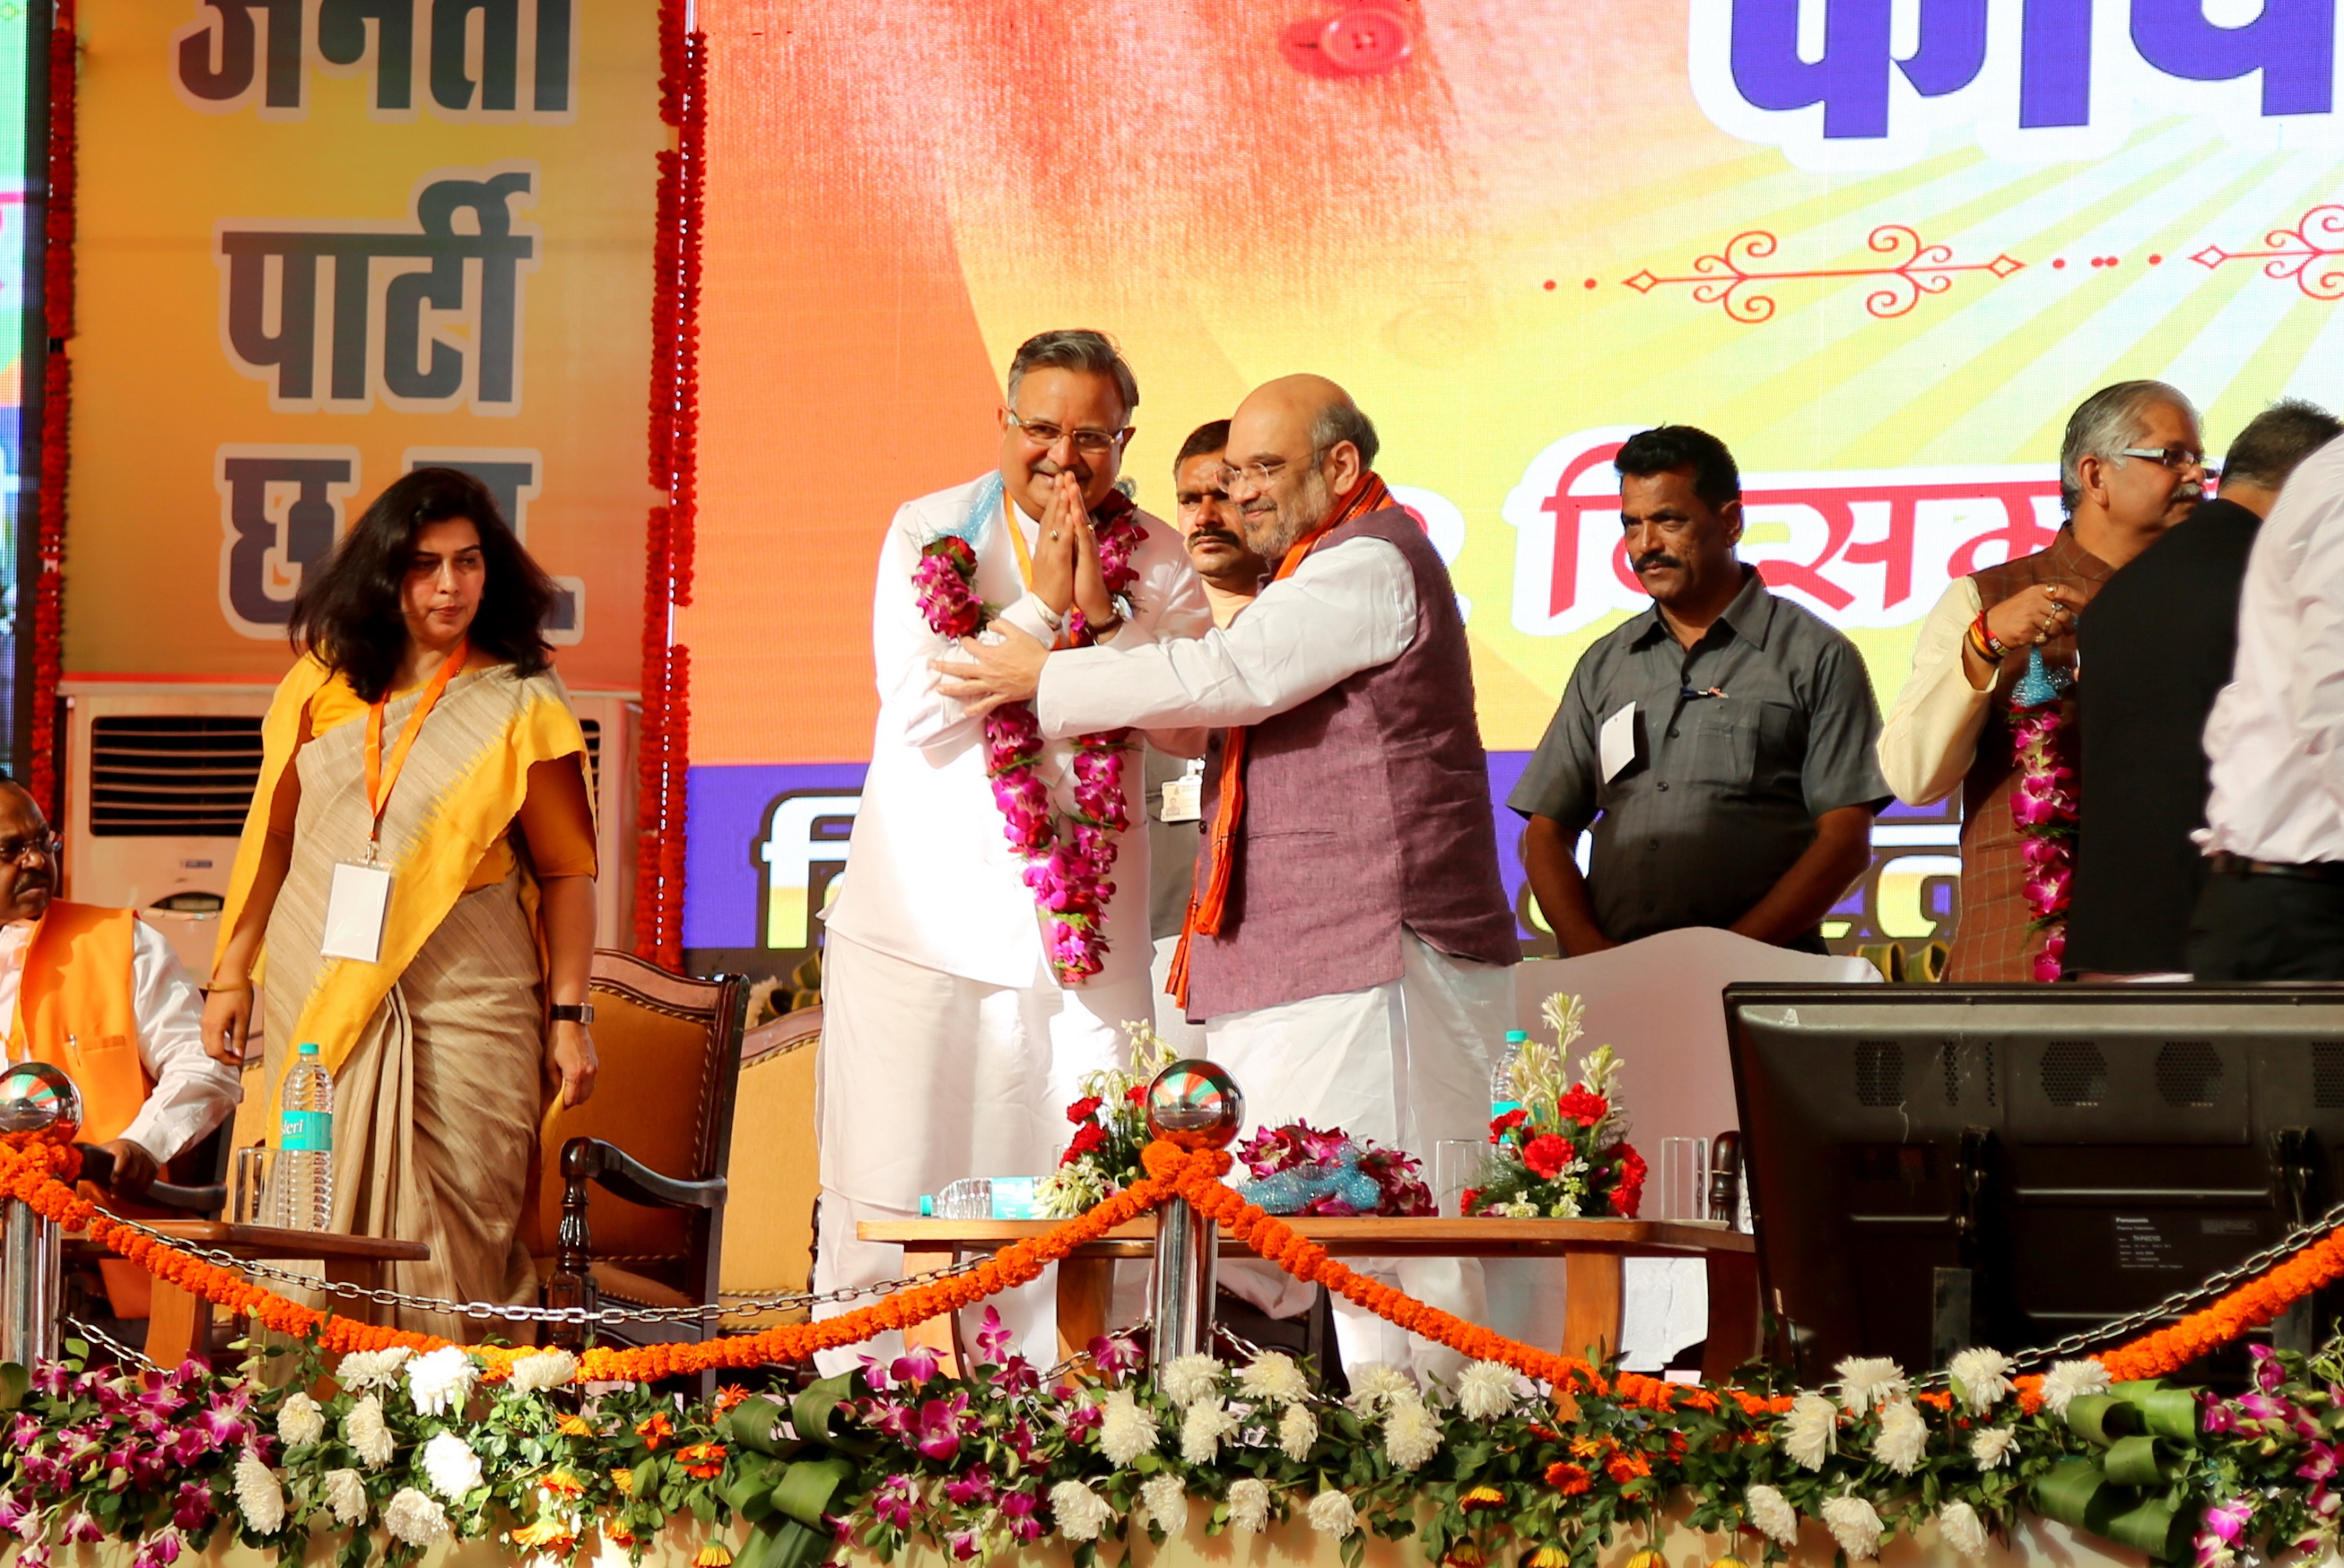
240, 986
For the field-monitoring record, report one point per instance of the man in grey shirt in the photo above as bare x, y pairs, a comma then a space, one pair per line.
1726, 737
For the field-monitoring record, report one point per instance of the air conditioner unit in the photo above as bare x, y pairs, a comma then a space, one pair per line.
158, 778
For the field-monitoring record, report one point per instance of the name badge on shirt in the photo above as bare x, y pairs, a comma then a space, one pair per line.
355, 907
1615, 742
1184, 797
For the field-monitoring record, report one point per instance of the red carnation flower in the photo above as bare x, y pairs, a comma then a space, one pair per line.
1548, 1155
1087, 1137
1082, 1109
1628, 1195
1136, 1094
1583, 1107
1507, 1123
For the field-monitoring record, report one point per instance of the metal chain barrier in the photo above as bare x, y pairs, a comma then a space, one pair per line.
492, 1311
124, 1355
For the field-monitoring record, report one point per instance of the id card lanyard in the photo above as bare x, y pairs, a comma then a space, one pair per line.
360, 899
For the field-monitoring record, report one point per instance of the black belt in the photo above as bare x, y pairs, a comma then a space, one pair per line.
2228, 864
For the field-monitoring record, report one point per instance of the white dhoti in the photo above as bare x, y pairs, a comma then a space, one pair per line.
925, 1077
1404, 1065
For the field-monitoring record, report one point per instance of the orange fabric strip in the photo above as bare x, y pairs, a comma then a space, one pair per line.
379, 780
1209, 904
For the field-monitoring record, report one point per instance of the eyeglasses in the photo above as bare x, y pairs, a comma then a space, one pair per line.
1263, 474
1045, 436
14, 851
2176, 458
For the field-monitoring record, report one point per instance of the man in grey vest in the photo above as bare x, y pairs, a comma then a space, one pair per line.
1349, 946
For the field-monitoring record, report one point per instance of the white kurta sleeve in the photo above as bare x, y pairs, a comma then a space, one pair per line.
2315, 695
1346, 609
1931, 736
193, 1094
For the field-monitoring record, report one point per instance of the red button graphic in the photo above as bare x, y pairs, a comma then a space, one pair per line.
1365, 40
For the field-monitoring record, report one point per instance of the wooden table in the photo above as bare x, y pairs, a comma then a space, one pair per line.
1591, 1251
177, 1319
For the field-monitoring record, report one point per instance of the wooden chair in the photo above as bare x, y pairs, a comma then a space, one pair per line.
768, 1219
628, 1199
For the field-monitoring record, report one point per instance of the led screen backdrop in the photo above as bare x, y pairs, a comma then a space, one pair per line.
1881, 247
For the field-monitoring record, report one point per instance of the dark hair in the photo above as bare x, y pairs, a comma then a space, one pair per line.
2277, 438
1212, 436
1341, 422
347, 611
1075, 349
1664, 449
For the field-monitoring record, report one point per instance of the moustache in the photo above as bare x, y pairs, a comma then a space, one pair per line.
1647, 563
1215, 536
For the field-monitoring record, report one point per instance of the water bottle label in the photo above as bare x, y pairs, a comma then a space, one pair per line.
1498, 1108
306, 1130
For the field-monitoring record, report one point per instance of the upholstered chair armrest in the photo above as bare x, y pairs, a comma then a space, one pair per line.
618, 1172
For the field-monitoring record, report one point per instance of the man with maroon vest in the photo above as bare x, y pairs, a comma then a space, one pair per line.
2131, 465
1349, 947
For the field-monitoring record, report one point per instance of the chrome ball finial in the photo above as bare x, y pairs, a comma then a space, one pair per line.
1195, 1105
36, 1097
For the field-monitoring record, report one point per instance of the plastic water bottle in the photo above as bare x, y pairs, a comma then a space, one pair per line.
1502, 1098
304, 1178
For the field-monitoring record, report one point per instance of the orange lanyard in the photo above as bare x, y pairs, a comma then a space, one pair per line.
379, 780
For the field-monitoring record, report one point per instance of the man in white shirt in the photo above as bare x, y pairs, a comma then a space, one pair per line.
1349, 947
100, 994
951, 1040
2273, 908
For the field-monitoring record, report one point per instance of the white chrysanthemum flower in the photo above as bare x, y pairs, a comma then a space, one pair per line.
1128, 1430
1298, 1431
1903, 1437
1167, 1500
2072, 1380
365, 1429
451, 1465
1188, 1378
542, 1370
1273, 1375
1411, 1432
346, 1495
1854, 1525
413, 1518
1376, 1381
1331, 1513
1081, 1513
1982, 1377
298, 1421
1486, 1390
1991, 1445
1810, 1431
1202, 1429
1963, 1530
363, 1369
1868, 1380
1772, 1515
1249, 1504
258, 1495
440, 1381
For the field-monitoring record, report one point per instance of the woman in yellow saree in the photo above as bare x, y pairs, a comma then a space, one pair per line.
422, 734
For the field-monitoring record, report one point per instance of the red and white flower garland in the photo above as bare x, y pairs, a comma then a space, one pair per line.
1069, 855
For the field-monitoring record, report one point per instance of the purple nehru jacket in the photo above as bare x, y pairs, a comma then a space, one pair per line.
1366, 808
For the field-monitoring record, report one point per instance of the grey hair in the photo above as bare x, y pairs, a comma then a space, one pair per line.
2104, 424
1074, 349
1341, 422
2277, 438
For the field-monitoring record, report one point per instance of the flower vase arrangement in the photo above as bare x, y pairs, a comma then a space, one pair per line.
1110, 1129
1297, 1169
1564, 1154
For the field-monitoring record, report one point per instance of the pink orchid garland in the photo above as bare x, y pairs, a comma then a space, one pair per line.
1069, 855
2043, 806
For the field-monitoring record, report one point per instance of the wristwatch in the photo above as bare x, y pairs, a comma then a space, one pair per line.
571, 1013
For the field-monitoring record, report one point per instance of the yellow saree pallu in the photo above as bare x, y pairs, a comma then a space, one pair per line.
436, 1051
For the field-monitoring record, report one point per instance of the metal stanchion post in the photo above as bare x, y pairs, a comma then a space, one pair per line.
41, 1101
1193, 1105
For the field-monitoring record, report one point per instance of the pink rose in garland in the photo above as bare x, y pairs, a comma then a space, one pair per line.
1069, 855
2042, 808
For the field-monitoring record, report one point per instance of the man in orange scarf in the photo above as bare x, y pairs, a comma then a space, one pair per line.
1349, 948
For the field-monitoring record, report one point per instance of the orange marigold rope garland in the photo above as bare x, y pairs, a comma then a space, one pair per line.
40, 1175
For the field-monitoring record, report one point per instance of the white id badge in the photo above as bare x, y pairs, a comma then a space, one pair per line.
1615, 742
1184, 797
354, 907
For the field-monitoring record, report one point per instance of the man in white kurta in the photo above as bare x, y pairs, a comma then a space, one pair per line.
949, 1049
1361, 976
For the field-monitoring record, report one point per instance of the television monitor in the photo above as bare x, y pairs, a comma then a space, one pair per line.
1936, 1166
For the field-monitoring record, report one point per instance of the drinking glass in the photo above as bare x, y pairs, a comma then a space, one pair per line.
248, 1194
1684, 1179
1457, 1166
